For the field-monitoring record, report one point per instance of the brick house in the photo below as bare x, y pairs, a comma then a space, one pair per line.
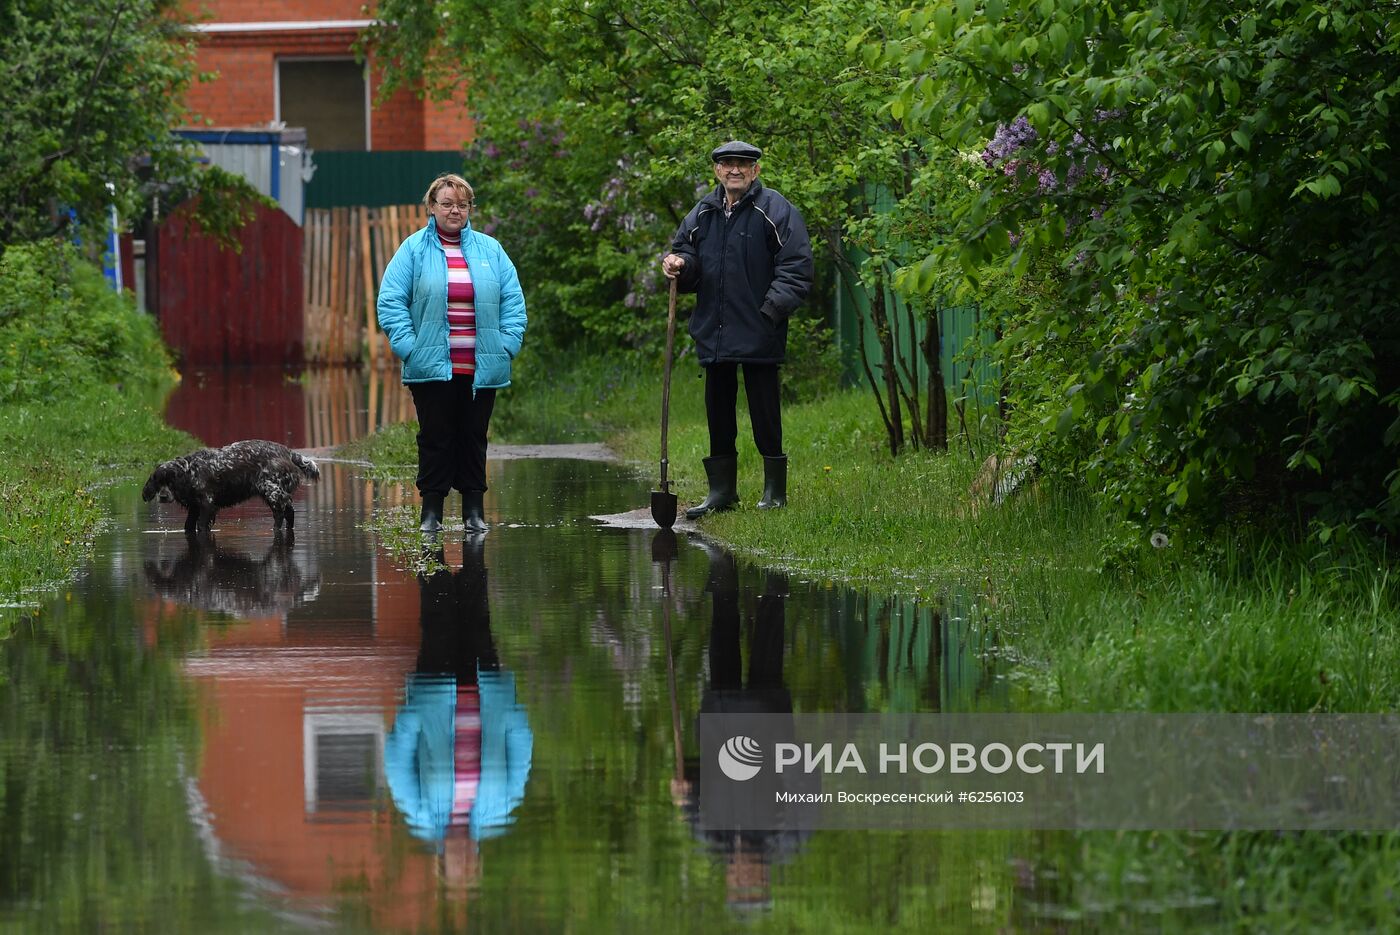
293, 62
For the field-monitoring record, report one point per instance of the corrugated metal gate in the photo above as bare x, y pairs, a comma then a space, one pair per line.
377, 179
218, 306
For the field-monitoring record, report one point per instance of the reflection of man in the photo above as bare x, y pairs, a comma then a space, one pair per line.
459, 755
747, 853
744, 250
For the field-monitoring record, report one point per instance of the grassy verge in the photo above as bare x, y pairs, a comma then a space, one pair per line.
51, 459
82, 374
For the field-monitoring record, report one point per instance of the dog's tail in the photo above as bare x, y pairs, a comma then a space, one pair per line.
306, 466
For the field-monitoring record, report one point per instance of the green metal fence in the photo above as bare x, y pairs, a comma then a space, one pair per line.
376, 179
964, 355
966, 360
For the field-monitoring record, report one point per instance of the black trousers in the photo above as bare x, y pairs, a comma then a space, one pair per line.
455, 615
452, 429
762, 387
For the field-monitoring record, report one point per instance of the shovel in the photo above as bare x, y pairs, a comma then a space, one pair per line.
663, 549
663, 502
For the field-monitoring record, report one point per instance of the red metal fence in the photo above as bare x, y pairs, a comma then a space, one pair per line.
218, 306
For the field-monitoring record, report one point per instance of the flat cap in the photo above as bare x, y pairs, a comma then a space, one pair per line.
735, 149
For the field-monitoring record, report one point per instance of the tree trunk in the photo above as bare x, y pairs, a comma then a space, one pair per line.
895, 423
937, 419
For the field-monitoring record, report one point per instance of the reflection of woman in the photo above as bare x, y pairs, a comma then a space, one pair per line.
459, 755
454, 312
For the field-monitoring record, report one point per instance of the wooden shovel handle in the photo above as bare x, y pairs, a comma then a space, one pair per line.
666, 384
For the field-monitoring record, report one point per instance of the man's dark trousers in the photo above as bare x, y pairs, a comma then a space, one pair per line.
762, 387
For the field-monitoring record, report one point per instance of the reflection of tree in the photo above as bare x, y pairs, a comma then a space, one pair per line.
209, 577
905, 655
98, 744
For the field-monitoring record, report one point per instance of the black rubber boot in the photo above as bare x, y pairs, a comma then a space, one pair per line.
430, 520
774, 483
723, 473
473, 517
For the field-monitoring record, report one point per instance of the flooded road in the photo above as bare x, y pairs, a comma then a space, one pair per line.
268, 734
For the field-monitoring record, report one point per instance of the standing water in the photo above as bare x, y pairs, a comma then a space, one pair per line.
259, 733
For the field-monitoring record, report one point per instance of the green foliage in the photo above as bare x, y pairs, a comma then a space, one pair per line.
62, 325
90, 91
1215, 186
82, 376
595, 123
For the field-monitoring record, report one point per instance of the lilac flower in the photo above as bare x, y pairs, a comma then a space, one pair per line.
1007, 140
532, 193
490, 151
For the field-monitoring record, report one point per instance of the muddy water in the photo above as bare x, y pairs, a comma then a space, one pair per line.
262, 734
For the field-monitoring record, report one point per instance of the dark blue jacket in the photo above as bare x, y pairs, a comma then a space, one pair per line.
750, 272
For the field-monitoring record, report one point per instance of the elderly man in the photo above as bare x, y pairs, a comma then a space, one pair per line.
744, 250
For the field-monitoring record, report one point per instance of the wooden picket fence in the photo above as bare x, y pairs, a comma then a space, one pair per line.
346, 250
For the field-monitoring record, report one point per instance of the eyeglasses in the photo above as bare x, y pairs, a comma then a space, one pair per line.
450, 206
735, 163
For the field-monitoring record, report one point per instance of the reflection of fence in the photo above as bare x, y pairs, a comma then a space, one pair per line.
342, 405
345, 255
320, 408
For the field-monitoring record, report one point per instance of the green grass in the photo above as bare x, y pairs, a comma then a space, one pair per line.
52, 457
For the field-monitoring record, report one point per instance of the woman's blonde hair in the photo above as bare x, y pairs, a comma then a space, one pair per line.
443, 181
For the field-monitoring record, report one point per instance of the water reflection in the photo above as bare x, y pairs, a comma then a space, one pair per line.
262, 694
747, 856
208, 576
459, 754
318, 408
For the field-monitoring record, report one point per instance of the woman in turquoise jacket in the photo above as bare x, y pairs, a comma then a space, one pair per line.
453, 310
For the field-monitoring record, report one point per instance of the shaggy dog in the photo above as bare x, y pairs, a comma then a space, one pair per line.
206, 481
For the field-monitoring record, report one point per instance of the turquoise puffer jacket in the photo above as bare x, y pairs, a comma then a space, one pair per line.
412, 307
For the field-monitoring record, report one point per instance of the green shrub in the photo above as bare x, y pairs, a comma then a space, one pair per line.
61, 325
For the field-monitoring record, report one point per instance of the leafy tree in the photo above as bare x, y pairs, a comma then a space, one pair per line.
91, 90
596, 120
1215, 187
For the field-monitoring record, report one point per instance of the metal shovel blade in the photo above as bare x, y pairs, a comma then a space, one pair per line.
663, 508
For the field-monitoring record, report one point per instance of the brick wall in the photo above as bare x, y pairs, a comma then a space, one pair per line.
271, 11
398, 122
244, 63
447, 124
